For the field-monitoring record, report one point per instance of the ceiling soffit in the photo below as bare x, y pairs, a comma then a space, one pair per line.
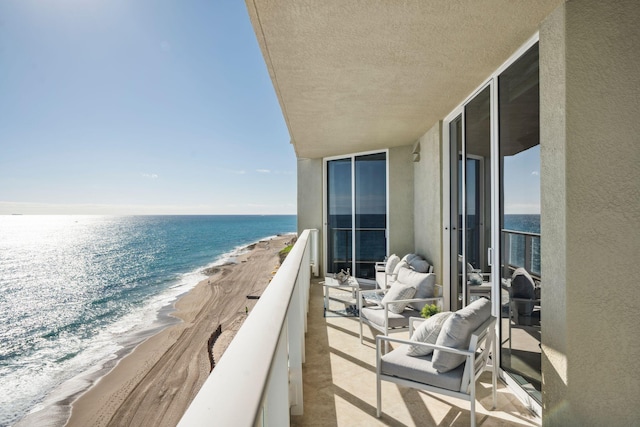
363, 75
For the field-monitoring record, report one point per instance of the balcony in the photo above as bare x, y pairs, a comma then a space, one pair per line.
261, 380
522, 249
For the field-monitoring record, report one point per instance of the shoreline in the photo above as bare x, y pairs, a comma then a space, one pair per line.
153, 381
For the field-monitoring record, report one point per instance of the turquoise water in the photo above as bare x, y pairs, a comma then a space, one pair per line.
77, 290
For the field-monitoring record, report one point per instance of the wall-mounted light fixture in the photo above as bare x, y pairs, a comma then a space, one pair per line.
416, 151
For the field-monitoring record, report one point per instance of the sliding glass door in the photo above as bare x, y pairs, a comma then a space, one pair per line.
470, 201
339, 222
356, 213
521, 331
493, 232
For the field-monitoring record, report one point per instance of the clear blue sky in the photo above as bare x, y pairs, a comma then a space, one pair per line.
522, 182
137, 107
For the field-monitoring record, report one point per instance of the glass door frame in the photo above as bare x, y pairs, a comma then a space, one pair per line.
325, 204
448, 225
495, 246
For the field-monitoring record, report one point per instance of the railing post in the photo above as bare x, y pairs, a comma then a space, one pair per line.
305, 283
313, 245
507, 254
528, 241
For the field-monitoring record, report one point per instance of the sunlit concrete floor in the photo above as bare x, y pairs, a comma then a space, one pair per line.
340, 384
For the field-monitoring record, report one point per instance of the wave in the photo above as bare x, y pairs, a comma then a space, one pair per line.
80, 363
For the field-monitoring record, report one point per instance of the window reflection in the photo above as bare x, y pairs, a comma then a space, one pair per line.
519, 106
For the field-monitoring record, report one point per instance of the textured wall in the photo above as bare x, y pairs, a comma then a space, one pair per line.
590, 227
310, 202
400, 200
360, 75
553, 218
427, 195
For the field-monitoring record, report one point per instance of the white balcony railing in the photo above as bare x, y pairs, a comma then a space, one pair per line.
522, 249
258, 380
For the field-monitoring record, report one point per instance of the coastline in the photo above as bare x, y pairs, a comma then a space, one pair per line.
154, 383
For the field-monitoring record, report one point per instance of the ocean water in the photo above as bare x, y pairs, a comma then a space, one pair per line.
76, 291
529, 223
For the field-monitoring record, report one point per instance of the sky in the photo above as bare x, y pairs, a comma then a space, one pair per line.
138, 107
522, 182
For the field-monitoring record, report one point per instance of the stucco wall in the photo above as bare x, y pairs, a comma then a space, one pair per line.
427, 196
553, 217
310, 203
590, 152
401, 200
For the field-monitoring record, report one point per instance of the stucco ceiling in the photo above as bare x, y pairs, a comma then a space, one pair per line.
360, 75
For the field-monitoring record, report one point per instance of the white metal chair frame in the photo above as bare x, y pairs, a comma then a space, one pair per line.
385, 329
482, 344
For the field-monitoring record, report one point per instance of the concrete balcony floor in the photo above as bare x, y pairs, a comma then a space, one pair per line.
340, 384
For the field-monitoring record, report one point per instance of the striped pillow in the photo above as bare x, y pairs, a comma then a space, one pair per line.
398, 291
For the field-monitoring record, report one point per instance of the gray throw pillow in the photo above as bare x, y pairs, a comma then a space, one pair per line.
392, 261
399, 266
424, 283
398, 291
420, 265
456, 333
427, 332
409, 257
475, 279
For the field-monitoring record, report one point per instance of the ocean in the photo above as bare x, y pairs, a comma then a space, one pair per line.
78, 291
529, 223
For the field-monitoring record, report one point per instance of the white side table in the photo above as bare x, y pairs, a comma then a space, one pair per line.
331, 283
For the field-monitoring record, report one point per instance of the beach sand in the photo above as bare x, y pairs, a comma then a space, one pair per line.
154, 385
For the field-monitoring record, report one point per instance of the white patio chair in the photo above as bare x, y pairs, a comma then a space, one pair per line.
419, 372
384, 316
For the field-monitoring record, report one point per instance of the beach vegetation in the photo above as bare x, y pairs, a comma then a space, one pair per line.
284, 252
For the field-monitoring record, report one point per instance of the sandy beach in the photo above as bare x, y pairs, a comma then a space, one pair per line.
154, 385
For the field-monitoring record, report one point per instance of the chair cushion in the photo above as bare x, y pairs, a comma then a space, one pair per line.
392, 261
427, 332
420, 369
375, 315
424, 283
398, 291
456, 333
